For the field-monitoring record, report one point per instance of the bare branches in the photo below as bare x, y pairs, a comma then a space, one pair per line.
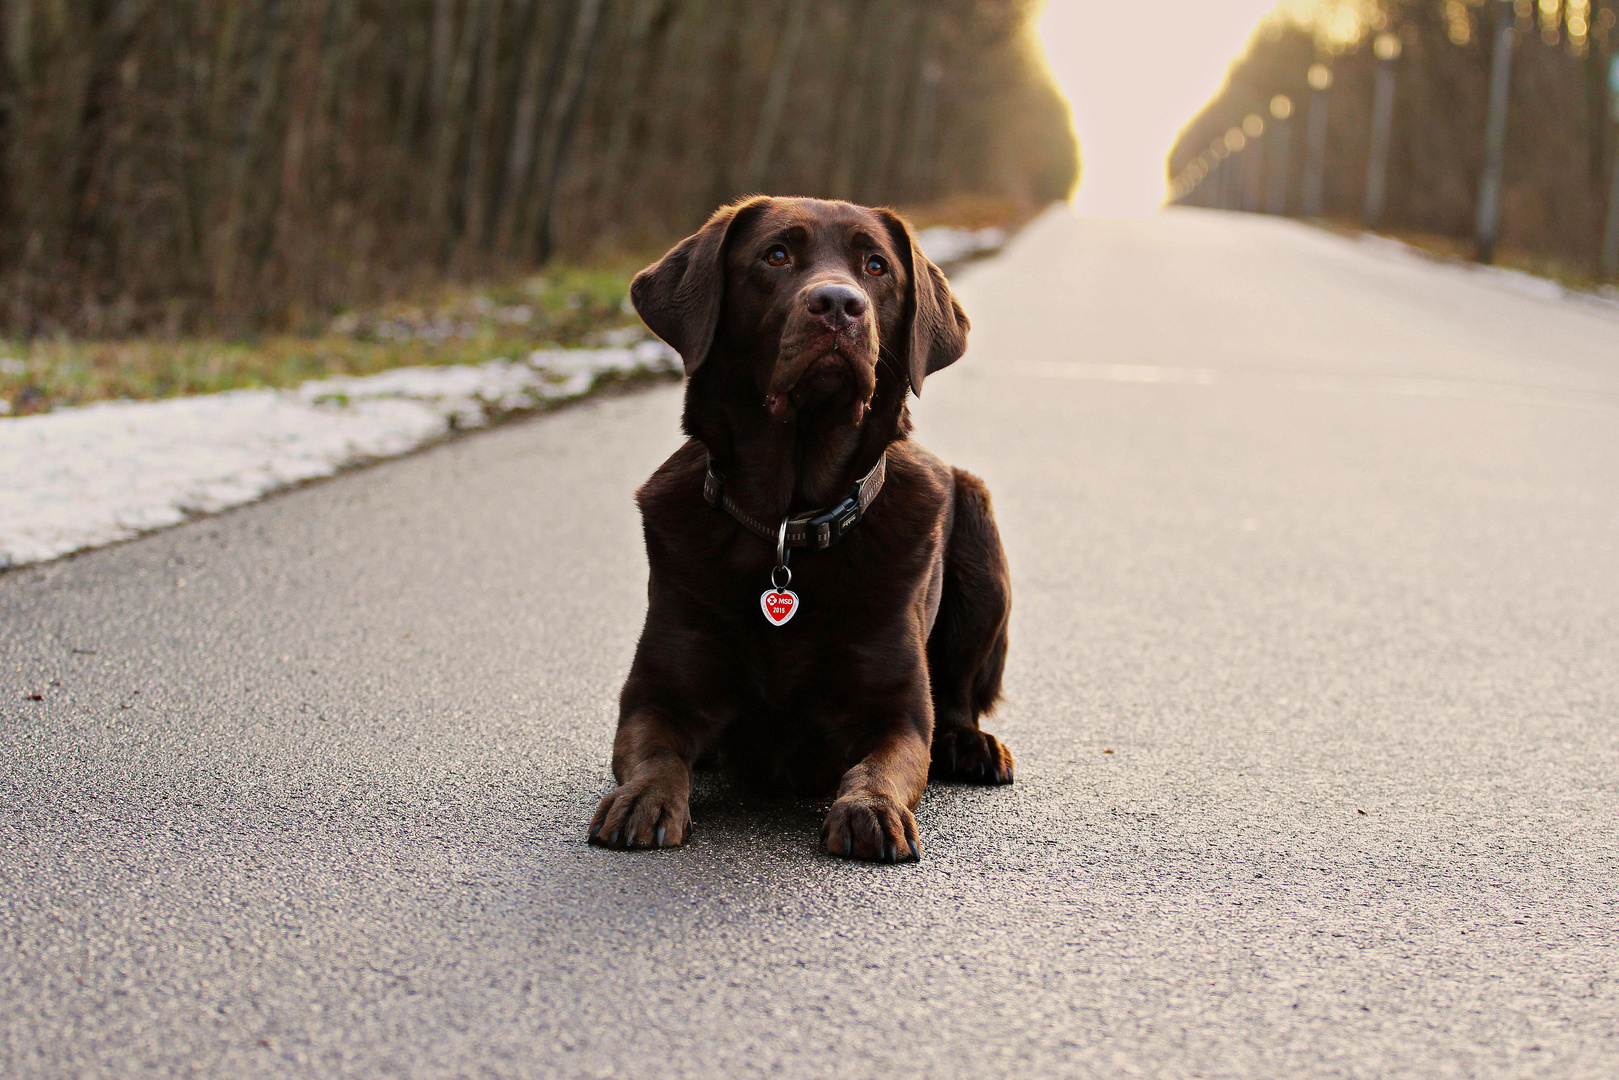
243, 163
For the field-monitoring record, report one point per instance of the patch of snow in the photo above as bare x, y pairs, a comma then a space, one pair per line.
624, 335
515, 315
1518, 281
947, 244
79, 478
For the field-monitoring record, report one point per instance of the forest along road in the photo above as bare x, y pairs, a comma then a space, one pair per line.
1314, 692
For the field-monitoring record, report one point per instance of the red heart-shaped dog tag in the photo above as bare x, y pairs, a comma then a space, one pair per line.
779, 605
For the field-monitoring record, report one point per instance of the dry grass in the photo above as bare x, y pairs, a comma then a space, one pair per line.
567, 308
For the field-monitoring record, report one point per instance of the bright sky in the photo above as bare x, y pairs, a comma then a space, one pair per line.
1135, 72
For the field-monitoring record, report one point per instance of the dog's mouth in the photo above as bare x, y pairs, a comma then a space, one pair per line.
826, 371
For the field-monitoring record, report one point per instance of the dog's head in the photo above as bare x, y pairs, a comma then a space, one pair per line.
806, 297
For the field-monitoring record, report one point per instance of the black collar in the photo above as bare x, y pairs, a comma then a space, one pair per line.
818, 529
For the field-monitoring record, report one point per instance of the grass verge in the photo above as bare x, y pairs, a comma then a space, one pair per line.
567, 308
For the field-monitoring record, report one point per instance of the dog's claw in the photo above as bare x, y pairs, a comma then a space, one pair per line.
639, 816
966, 756
916, 852
848, 844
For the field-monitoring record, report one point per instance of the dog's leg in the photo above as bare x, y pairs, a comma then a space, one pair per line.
650, 807
872, 816
967, 649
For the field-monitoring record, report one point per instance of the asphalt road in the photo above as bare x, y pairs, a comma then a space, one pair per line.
1314, 692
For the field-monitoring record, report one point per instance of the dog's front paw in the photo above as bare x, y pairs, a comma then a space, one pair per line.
642, 814
970, 756
871, 827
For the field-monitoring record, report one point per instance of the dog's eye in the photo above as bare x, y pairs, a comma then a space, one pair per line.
776, 255
876, 265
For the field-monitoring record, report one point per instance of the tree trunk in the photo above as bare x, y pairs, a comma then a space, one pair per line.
781, 71
646, 19
451, 129
565, 108
475, 185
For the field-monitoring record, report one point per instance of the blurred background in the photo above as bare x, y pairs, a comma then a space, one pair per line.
232, 172
1382, 114
179, 164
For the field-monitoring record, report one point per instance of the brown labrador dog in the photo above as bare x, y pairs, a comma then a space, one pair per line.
864, 664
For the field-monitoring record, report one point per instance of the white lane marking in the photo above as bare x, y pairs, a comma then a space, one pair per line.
1459, 389
1121, 373
1401, 386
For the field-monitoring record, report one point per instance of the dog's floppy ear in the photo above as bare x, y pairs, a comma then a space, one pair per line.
679, 296
937, 335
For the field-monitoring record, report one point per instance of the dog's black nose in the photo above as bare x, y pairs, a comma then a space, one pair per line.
836, 304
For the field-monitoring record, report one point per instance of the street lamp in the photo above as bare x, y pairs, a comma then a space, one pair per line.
1281, 108
1387, 50
1231, 187
1610, 240
1216, 193
1253, 163
1315, 167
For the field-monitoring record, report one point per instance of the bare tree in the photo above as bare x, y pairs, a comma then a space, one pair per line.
179, 164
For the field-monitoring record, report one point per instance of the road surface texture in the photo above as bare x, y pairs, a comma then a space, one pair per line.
1314, 692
